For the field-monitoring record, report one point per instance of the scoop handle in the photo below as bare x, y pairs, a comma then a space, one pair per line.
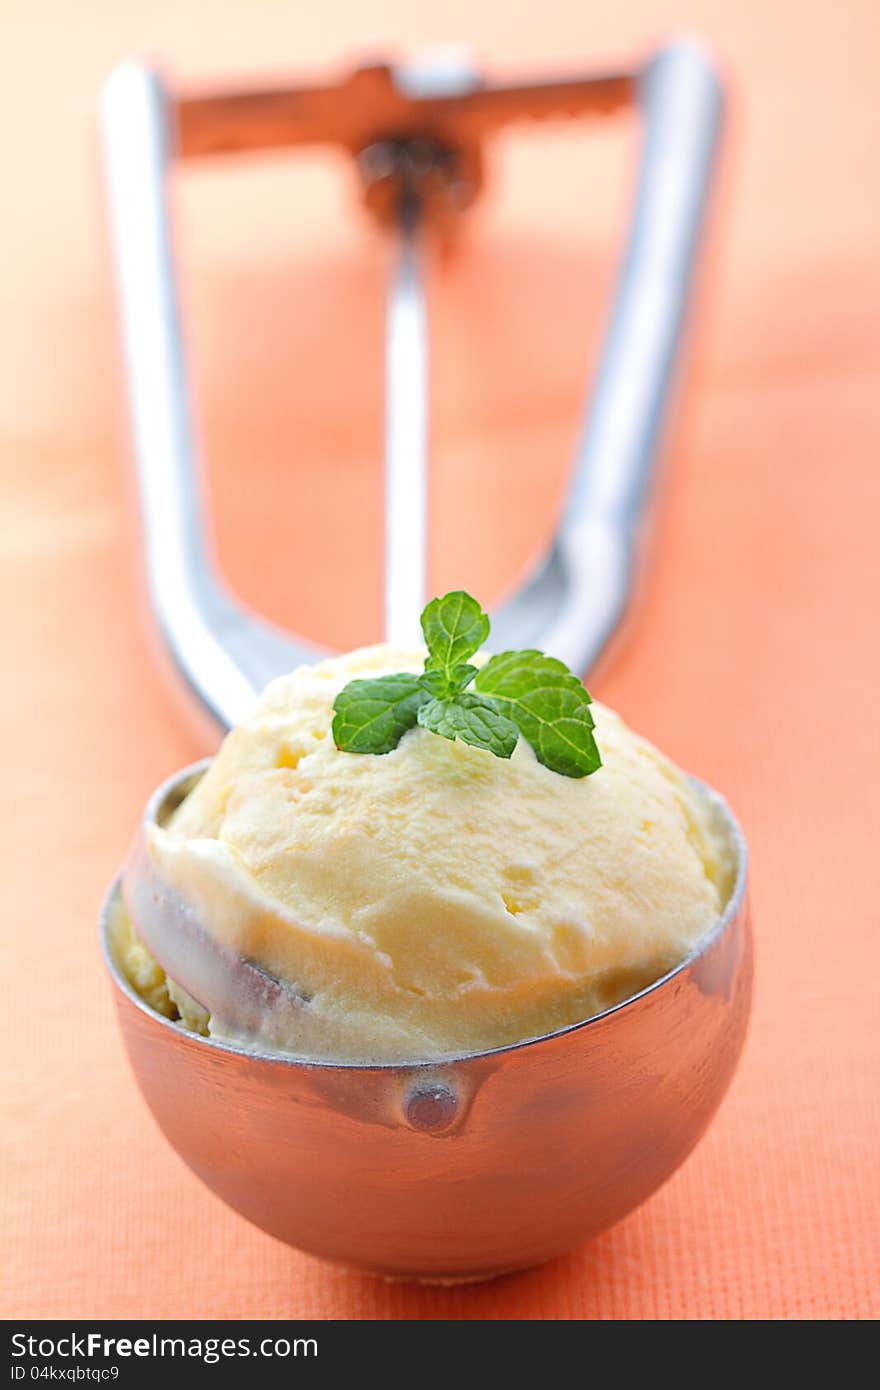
580, 590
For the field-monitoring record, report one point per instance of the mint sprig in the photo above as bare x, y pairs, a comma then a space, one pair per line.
473, 720
515, 694
372, 716
549, 706
455, 627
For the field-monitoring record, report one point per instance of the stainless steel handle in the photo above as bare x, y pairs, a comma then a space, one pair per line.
575, 601
406, 439
223, 653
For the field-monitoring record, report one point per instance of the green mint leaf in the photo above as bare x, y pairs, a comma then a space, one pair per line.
462, 674
435, 682
448, 683
473, 720
516, 693
371, 716
455, 627
549, 706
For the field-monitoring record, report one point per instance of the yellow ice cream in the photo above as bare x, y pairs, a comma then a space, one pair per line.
437, 899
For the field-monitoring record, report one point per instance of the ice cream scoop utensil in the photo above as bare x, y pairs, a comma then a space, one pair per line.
417, 135
465, 1167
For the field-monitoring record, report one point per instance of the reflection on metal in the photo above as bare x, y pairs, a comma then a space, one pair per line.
406, 439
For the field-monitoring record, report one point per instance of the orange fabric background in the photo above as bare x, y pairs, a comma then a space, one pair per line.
751, 656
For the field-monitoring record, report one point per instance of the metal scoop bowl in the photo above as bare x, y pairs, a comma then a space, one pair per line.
453, 1170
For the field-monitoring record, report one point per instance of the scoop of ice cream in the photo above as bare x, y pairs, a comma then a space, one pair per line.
437, 899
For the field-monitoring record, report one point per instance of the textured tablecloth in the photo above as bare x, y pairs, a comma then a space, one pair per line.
751, 657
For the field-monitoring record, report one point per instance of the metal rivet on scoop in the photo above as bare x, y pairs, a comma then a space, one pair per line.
430, 1107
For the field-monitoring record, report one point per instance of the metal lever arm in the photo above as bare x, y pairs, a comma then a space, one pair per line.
576, 598
223, 653
575, 601
379, 101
